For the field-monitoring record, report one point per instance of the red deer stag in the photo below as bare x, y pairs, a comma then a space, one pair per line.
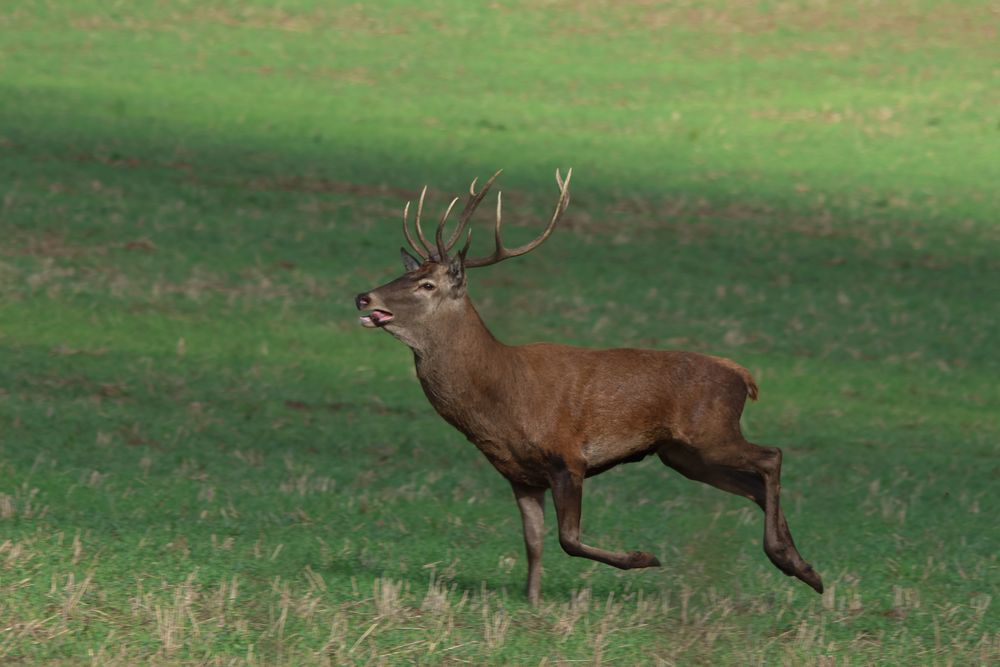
548, 416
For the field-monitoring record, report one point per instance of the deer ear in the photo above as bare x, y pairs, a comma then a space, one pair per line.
456, 269
410, 262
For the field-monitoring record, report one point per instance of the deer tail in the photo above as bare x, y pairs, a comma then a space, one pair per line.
744, 374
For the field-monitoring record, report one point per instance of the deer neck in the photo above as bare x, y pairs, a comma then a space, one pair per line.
461, 360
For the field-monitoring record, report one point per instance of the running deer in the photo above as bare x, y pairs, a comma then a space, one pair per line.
547, 416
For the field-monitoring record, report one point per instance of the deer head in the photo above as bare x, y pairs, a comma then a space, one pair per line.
419, 302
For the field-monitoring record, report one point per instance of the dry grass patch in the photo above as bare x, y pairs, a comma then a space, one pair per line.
905, 26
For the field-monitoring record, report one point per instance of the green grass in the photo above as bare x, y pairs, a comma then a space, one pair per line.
205, 460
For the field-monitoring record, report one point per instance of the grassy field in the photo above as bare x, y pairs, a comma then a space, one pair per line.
205, 460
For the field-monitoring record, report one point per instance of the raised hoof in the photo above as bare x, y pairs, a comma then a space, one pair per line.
637, 559
811, 577
796, 567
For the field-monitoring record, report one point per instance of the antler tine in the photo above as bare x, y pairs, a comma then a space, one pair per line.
560, 182
497, 243
501, 253
465, 248
441, 248
470, 207
409, 237
420, 232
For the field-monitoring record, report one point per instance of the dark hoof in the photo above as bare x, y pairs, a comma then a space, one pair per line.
637, 559
796, 567
811, 577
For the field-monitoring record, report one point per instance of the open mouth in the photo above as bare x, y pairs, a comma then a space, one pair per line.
377, 318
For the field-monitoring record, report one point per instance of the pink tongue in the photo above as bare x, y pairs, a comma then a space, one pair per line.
378, 316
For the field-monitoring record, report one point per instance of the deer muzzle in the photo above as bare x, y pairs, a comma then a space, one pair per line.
378, 317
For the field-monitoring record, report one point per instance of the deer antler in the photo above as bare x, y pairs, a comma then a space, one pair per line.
501, 253
426, 251
442, 249
475, 198
439, 252
471, 204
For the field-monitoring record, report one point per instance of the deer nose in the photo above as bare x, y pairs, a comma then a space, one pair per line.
362, 301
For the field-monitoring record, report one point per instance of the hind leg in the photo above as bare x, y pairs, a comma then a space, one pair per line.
754, 472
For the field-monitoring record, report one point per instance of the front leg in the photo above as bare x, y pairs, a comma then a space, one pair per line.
531, 502
567, 494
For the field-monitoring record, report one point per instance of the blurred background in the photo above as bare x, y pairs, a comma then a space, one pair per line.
204, 459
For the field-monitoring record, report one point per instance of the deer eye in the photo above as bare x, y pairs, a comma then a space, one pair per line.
427, 286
